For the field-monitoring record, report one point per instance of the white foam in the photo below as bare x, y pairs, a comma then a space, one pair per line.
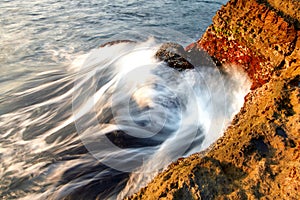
146, 98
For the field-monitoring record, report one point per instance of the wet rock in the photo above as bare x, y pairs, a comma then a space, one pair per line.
174, 55
199, 57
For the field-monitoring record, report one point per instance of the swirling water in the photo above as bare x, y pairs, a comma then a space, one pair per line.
83, 122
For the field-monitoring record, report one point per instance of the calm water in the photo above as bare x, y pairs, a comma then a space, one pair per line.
36, 34
42, 45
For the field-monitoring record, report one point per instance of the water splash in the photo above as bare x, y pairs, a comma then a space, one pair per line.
106, 125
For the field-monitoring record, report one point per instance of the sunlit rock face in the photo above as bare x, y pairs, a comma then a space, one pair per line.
252, 35
258, 156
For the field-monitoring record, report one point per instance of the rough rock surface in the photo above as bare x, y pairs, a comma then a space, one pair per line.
174, 55
251, 34
288, 8
259, 155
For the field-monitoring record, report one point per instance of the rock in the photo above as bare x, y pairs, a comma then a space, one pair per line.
287, 8
252, 35
250, 161
259, 155
174, 55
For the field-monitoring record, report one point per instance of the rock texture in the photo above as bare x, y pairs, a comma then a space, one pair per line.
174, 55
251, 34
259, 155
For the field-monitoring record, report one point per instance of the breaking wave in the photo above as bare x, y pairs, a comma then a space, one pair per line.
108, 124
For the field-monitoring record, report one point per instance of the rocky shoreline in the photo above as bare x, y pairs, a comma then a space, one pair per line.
259, 155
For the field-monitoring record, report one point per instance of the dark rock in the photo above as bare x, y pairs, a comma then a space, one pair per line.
174, 55
199, 57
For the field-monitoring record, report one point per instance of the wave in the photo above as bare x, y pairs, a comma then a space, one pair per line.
106, 125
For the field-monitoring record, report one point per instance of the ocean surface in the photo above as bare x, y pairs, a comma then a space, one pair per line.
82, 122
